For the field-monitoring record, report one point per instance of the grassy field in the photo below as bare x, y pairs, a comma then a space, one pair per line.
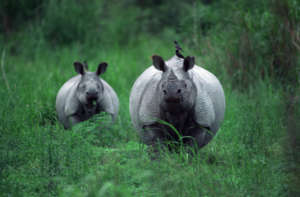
40, 158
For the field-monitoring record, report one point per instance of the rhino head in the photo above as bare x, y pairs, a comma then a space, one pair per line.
176, 90
90, 87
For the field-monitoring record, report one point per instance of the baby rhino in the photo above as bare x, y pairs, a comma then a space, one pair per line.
84, 95
181, 93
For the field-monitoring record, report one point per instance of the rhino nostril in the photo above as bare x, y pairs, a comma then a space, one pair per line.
179, 91
92, 94
165, 92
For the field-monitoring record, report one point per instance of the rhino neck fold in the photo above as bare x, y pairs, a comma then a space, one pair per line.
90, 109
177, 118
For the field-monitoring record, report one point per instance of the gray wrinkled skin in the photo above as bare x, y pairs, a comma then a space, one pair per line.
180, 93
84, 95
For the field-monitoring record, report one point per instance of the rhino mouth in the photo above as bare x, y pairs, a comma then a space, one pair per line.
91, 103
173, 100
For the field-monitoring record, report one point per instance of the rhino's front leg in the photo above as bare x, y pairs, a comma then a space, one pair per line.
200, 136
72, 120
152, 134
113, 117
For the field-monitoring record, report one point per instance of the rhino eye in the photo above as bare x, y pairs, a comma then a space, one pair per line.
165, 92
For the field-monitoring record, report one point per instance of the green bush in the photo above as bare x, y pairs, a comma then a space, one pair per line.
70, 21
260, 41
15, 13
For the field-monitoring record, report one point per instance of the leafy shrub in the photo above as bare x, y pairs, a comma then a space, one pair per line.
260, 42
70, 21
15, 13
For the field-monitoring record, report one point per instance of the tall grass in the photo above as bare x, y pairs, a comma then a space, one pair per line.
244, 44
95, 158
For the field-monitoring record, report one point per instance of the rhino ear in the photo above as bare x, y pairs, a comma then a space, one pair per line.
79, 68
188, 63
101, 68
159, 63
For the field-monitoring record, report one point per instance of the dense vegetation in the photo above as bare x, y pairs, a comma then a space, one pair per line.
251, 46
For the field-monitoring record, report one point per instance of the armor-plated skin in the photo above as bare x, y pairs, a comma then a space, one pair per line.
84, 95
180, 93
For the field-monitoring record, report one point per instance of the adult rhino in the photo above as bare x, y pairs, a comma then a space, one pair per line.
84, 95
181, 93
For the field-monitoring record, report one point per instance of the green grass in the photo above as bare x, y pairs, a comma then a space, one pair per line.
40, 158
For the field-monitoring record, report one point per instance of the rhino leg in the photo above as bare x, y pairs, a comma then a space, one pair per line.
72, 120
200, 137
113, 117
152, 134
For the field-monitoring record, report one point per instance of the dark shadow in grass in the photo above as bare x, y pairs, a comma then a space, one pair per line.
184, 146
106, 133
292, 144
48, 116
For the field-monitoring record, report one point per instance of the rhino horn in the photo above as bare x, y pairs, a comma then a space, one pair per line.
86, 67
172, 76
